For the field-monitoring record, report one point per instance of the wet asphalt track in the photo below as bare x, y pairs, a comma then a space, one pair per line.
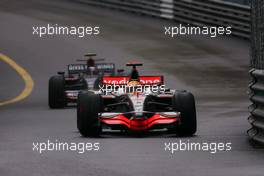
214, 69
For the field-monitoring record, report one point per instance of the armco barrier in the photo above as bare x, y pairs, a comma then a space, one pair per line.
256, 95
194, 12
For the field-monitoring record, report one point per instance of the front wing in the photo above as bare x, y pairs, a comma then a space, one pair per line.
140, 124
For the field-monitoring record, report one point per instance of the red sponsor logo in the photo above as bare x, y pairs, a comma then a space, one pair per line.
123, 80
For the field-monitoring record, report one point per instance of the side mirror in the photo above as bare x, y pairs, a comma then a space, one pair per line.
120, 70
167, 90
61, 73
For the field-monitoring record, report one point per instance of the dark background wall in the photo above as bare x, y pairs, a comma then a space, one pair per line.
257, 54
246, 2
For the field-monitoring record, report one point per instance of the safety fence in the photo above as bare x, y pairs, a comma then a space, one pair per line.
256, 95
257, 44
193, 12
245, 2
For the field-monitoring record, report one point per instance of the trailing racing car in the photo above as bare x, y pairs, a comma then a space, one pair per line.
135, 103
64, 89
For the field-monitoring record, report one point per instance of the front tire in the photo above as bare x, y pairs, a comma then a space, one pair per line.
88, 107
184, 103
57, 97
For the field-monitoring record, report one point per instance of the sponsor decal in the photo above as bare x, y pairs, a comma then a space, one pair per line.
123, 80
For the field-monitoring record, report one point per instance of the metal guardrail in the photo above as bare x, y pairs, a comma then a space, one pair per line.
244, 2
256, 95
257, 41
194, 12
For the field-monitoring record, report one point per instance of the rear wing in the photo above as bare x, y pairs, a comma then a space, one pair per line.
83, 68
123, 80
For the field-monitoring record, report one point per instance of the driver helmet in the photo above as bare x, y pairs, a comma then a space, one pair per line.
90, 62
133, 83
132, 86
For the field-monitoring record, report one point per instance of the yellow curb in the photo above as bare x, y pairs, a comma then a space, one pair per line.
29, 83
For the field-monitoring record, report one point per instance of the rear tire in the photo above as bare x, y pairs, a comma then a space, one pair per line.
184, 103
88, 107
57, 97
